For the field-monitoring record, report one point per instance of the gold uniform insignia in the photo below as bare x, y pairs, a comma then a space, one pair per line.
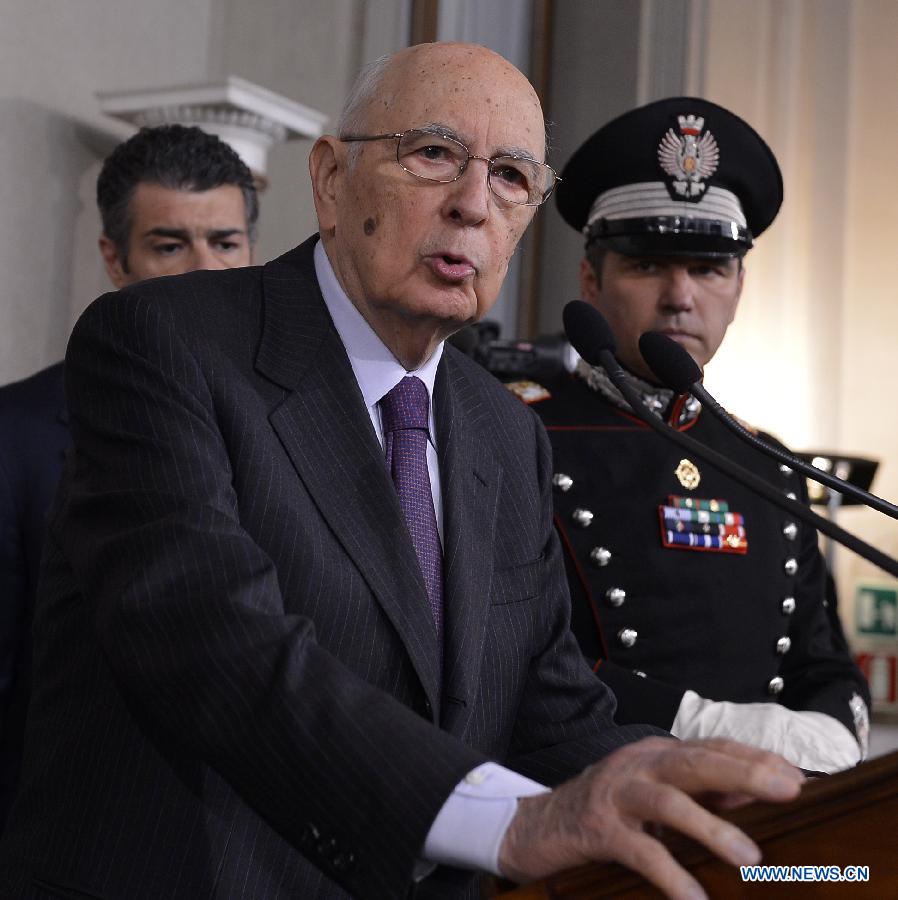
528, 391
688, 474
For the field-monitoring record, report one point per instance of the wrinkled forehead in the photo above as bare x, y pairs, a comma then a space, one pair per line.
477, 94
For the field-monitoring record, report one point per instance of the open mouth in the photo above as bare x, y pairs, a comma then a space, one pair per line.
451, 268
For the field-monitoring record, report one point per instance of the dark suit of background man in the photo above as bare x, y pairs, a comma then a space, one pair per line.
241, 689
699, 603
172, 199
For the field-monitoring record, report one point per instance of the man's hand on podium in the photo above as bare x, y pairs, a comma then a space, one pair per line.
611, 810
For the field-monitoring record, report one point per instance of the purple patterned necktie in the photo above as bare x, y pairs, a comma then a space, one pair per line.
404, 414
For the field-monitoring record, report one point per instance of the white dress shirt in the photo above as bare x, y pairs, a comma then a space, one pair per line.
471, 824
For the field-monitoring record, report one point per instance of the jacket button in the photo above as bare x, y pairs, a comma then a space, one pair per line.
627, 637
790, 566
600, 556
329, 849
783, 645
786, 470
583, 517
616, 596
790, 531
310, 837
775, 686
788, 606
343, 861
563, 482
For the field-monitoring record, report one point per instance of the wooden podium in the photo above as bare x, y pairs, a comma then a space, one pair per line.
849, 819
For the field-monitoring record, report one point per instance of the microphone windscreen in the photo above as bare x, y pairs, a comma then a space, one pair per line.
587, 331
672, 364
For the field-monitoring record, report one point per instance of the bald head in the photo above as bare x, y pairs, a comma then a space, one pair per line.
382, 82
420, 257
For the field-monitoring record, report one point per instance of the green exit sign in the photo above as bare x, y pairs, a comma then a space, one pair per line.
876, 610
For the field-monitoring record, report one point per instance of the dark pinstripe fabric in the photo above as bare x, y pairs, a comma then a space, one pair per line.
235, 674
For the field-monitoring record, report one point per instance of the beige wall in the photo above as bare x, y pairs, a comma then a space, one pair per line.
868, 421
812, 353
53, 56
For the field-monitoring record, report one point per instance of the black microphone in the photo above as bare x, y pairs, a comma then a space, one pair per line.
592, 338
676, 368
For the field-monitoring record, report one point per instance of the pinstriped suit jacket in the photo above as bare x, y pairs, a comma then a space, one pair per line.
235, 690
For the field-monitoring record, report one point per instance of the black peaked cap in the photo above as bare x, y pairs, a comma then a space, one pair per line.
625, 151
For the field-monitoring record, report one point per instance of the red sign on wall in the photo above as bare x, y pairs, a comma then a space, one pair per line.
880, 670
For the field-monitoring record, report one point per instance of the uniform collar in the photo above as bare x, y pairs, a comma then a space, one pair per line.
659, 400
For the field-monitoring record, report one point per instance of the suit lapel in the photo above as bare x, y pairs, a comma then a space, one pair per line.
470, 478
325, 429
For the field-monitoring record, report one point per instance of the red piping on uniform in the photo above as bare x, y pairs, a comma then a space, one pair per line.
675, 414
582, 578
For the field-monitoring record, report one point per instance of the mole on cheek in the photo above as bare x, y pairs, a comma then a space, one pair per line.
370, 227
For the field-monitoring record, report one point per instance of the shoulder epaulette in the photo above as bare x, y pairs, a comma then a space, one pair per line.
528, 391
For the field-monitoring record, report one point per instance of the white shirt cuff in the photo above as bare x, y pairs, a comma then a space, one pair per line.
469, 829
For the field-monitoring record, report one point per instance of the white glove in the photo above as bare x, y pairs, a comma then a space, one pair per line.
810, 740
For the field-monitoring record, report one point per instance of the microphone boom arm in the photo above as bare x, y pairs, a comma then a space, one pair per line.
745, 477
837, 484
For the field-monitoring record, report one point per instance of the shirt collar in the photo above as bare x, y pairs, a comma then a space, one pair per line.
376, 369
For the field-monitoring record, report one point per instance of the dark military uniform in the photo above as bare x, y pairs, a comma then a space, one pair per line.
683, 579
742, 621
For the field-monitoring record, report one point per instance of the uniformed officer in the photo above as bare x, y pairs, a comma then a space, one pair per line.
700, 603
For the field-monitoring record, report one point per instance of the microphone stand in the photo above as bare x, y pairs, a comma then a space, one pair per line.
699, 391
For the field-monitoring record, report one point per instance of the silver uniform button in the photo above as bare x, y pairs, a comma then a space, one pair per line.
600, 556
788, 606
785, 469
775, 686
627, 637
790, 566
791, 495
583, 517
783, 645
790, 531
640, 673
616, 596
563, 482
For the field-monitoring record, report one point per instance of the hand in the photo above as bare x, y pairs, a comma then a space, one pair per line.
812, 740
601, 815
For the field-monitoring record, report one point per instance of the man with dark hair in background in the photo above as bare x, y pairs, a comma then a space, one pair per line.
172, 199
698, 602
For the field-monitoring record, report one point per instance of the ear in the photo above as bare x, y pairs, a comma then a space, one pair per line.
326, 163
112, 261
589, 283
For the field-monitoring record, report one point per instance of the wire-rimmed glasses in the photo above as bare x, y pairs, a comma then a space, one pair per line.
436, 156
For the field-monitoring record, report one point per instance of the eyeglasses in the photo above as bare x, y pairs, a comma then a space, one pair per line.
437, 157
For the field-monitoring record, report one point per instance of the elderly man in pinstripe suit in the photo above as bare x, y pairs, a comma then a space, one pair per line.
248, 683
